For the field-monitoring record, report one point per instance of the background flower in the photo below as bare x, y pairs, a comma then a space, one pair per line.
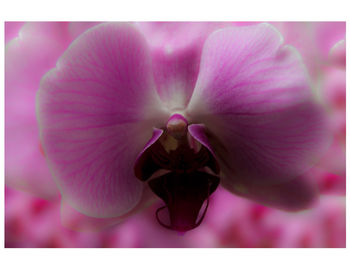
35, 50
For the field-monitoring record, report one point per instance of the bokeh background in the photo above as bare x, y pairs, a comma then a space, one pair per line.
35, 217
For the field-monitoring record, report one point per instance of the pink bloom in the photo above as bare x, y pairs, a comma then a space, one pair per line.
241, 113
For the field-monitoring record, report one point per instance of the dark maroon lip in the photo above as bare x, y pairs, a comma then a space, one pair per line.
190, 178
184, 195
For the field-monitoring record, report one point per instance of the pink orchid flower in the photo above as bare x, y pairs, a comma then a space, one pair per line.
112, 127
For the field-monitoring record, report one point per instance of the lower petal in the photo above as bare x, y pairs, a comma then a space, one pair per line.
297, 194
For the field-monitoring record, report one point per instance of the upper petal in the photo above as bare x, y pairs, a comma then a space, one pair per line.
96, 110
253, 96
176, 49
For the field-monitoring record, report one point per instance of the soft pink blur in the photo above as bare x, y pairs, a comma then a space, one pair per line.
231, 222
35, 220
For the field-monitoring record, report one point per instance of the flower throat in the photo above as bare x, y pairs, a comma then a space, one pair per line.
182, 172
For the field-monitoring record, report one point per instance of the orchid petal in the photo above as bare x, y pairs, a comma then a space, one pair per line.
96, 111
176, 49
253, 96
297, 194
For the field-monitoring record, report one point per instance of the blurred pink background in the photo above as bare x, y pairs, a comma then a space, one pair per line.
34, 216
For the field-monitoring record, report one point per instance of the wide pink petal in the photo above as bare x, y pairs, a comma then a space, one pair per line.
27, 58
96, 111
297, 194
253, 96
176, 49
